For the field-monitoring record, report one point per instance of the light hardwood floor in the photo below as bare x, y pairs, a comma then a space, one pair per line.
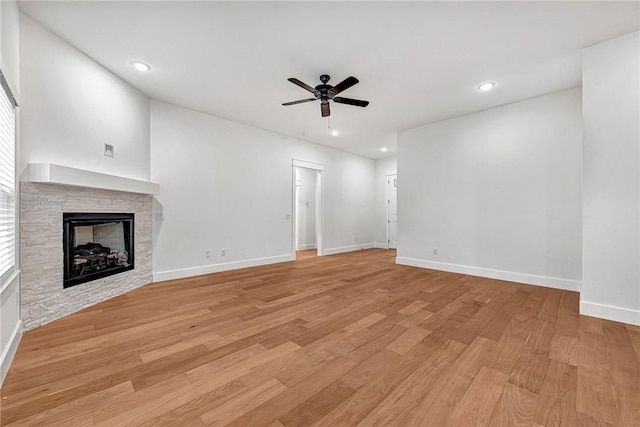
343, 340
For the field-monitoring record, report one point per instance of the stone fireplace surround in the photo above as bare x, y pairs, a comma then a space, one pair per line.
43, 298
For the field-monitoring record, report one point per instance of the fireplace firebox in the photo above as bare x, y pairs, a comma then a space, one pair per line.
96, 245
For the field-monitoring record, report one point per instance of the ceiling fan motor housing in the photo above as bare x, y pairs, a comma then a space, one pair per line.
323, 91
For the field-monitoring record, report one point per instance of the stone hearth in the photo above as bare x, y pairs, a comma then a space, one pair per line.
43, 298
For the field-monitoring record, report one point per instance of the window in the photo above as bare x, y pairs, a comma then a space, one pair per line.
7, 180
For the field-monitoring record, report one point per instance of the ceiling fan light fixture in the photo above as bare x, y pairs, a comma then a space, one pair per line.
140, 66
486, 86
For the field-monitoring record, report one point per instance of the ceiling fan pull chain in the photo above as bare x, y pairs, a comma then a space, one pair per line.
329, 121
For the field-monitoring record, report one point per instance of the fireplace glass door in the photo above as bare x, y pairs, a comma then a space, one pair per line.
97, 245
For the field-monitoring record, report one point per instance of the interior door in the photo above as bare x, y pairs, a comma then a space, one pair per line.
392, 211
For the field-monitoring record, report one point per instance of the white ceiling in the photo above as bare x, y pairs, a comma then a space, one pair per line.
417, 62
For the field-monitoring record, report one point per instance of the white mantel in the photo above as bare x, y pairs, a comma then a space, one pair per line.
48, 173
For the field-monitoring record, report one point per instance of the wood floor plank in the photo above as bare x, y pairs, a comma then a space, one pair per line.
551, 306
591, 324
408, 340
493, 330
313, 383
342, 340
414, 307
189, 412
557, 398
529, 372
483, 394
565, 349
482, 318
80, 410
396, 408
568, 323
243, 403
435, 408
415, 319
374, 367
516, 407
318, 405
599, 402
505, 354
392, 370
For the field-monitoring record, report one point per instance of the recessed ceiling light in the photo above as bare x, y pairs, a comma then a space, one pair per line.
335, 132
486, 86
140, 66
383, 149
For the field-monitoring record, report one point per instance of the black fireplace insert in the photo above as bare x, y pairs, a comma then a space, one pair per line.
96, 245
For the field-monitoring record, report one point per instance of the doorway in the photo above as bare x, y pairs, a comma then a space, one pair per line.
392, 210
307, 208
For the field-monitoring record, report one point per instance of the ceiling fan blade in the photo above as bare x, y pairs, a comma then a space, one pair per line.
300, 101
301, 84
343, 85
326, 111
350, 101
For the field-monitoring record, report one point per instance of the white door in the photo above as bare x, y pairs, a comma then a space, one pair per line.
392, 211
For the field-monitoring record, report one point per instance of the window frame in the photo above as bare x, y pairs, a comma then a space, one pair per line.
10, 187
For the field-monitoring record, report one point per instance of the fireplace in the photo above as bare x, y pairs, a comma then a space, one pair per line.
96, 245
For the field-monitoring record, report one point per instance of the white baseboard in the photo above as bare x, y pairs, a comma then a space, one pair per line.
530, 279
342, 249
216, 268
7, 355
307, 246
380, 245
609, 312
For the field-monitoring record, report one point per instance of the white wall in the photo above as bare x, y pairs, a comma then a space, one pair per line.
227, 185
10, 44
306, 208
497, 193
611, 213
383, 166
72, 106
10, 323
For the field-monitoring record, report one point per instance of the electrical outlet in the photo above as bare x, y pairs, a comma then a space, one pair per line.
223, 252
207, 254
435, 251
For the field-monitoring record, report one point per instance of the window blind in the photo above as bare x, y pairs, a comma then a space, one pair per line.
7, 181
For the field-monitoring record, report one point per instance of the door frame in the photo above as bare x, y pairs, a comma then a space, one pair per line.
319, 168
386, 177
296, 215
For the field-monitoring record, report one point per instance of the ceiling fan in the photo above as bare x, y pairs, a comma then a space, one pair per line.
326, 93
